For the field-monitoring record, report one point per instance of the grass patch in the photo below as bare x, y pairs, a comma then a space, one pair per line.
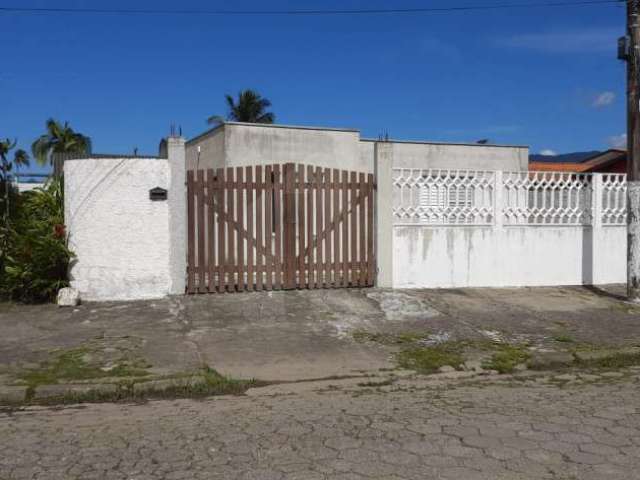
430, 359
405, 338
206, 382
505, 359
72, 365
614, 361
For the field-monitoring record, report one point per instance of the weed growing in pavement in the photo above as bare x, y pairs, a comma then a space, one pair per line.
505, 359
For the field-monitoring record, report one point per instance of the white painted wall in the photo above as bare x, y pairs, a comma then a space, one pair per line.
459, 156
123, 241
241, 144
268, 144
457, 256
207, 150
565, 230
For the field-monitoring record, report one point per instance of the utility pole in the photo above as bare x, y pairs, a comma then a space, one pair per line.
631, 53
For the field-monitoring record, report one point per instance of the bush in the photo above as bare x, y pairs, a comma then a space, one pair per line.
34, 258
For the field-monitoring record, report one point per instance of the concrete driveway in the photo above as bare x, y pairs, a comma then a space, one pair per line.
301, 335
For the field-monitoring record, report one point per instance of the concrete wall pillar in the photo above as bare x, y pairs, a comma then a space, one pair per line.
594, 238
383, 171
177, 199
498, 198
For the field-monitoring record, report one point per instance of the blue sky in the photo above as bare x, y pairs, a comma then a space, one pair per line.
544, 77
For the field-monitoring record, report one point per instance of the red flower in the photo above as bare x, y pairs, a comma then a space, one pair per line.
59, 230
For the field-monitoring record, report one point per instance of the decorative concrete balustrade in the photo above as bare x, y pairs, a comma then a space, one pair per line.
471, 197
471, 228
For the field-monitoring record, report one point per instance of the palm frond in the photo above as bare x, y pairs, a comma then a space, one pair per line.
215, 120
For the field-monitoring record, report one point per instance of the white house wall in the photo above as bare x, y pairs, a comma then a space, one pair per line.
459, 156
242, 144
206, 150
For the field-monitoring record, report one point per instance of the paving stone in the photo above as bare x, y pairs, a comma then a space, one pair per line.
506, 432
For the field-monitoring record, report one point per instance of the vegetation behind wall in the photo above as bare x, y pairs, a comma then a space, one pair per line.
34, 257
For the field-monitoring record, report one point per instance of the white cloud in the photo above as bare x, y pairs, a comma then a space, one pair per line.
548, 153
618, 141
603, 99
584, 41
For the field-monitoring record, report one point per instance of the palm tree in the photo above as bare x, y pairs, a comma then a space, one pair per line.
250, 108
20, 159
59, 139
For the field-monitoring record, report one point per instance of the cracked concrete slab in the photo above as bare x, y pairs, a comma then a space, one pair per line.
298, 335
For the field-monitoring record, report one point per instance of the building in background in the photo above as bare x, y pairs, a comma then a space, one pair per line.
610, 161
242, 144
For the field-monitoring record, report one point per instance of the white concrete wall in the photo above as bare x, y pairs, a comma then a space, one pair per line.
127, 246
240, 144
28, 186
456, 256
458, 156
261, 145
212, 152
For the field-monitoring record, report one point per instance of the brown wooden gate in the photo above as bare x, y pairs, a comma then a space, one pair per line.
279, 227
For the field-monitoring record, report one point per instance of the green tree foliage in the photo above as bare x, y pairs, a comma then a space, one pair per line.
36, 260
59, 138
251, 107
7, 191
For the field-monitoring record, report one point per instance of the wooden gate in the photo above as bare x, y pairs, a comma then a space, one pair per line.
279, 227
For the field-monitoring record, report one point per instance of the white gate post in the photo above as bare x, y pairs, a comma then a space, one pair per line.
177, 196
383, 168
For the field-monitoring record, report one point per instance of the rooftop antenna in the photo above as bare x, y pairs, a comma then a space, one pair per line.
383, 137
172, 130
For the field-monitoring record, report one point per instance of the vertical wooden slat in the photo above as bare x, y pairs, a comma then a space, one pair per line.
259, 237
220, 211
371, 266
202, 257
301, 228
240, 228
268, 228
335, 266
344, 277
362, 267
326, 184
353, 191
231, 232
311, 248
277, 224
211, 233
191, 235
250, 238
289, 220
319, 231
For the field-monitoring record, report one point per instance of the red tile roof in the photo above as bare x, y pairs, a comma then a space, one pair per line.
605, 161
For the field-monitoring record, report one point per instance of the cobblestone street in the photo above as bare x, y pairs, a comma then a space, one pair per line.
480, 431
